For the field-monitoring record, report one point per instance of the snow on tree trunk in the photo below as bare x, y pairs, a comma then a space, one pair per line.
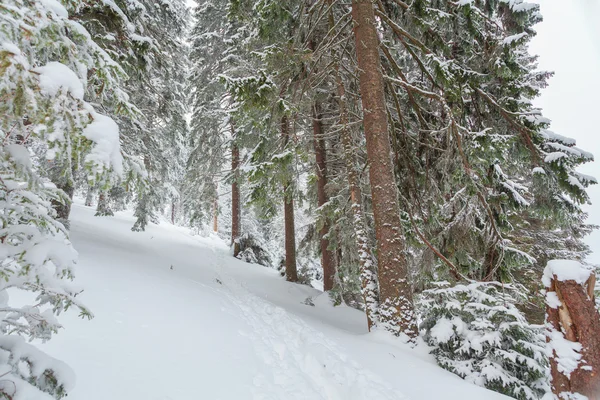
63, 207
103, 209
368, 278
216, 213
235, 200
173, 211
291, 271
396, 309
89, 196
572, 330
327, 256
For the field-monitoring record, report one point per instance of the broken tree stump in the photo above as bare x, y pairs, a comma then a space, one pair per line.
572, 330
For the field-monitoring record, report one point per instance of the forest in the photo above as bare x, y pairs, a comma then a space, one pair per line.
386, 152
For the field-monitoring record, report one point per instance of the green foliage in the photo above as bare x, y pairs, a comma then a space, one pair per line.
476, 332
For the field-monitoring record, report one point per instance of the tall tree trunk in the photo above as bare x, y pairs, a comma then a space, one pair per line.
103, 208
63, 209
396, 310
89, 196
327, 256
235, 200
291, 272
368, 276
216, 211
328, 260
173, 211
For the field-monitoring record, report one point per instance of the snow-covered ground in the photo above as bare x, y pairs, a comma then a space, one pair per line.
178, 318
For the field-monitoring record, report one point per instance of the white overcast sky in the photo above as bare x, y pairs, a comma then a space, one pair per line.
568, 43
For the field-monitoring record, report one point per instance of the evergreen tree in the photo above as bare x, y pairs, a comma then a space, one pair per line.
46, 74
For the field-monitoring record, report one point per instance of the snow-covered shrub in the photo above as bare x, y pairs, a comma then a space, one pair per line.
478, 333
251, 251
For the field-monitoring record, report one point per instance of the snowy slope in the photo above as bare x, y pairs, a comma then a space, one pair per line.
216, 328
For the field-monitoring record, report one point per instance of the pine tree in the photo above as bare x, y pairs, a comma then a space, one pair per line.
47, 73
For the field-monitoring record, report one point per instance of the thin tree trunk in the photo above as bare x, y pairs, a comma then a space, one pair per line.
173, 211
328, 261
368, 278
396, 310
327, 257
291, 272
103, 208
235, 200
89, 197
216, 213
63, 209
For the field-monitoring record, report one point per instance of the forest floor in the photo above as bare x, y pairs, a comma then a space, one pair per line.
178, 318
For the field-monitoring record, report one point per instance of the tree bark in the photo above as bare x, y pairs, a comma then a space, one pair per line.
89, 197
216, 213
103, 208
63, 209
291, 272
327, 257
396, 310
235, 200
173, 211
578, 320
368, 275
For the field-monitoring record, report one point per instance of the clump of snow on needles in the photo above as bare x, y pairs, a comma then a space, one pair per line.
56, 7
55, 75
104, 132
565, 270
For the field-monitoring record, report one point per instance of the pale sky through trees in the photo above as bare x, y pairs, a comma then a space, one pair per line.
568, 43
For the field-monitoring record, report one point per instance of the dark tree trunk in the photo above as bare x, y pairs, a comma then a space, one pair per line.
89, 197
63, 209
578, 320
216, 214
103, 209
173, 211
291, 272
327, 257
368, 276
235, 200
396, 310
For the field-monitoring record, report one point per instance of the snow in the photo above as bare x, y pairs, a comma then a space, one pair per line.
567, 352
565, 270
55, 75
557, 155
178, 318
552, 300
548, 134
56, 7
10, 47
538, 170
106, 153
443, 330
514, 38
19, 154
586, 178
